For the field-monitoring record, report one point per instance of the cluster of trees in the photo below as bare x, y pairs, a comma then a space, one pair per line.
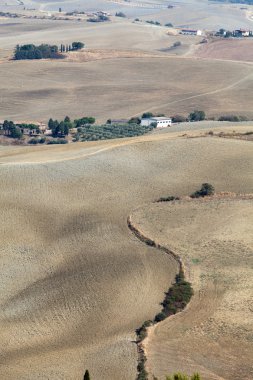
60, 129
206, 190
12, 130
31, 51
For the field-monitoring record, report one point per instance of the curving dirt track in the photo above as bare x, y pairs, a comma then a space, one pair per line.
75, 282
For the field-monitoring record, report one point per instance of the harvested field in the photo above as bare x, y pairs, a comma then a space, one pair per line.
76, 283
227, 49
123, 87
214, 334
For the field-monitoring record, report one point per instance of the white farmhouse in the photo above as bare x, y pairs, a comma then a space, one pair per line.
191, 32
161, 122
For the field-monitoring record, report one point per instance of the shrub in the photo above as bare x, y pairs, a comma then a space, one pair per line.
181, 376
160, 317
33, 141
197, 115
206, 190
169, 25
168, 199
178, 119
147, 115
142, 331
60, 141
232, 118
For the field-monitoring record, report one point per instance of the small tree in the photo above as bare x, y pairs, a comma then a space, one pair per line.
86, 375
206, 190
147, 115
77, 45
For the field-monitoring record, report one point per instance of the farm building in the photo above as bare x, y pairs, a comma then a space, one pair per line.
242, 33
191, 32
161, 122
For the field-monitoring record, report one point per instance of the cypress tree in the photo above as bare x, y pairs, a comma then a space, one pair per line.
86, 375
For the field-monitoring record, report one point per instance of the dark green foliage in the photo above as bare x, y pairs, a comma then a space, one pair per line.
60, 129
181, 376
12, 130
77, 46
147, 115
134, 120
84, 120
197, 115
169, 25
31, 51
141, 332
35, 141
86, 375
168, 199
177, 297
206, 190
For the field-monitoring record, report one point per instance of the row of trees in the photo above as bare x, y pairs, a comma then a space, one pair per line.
73, 47
31, 51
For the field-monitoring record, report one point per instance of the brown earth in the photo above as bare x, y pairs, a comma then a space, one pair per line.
75, 282
227, 49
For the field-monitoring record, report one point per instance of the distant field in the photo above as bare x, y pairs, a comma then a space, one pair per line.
113, 88
229, 49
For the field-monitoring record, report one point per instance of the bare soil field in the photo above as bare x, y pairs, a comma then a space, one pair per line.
75, 282
123, 87
227, 49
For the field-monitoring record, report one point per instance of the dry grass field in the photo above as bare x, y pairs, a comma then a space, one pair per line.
123, 87
75, 282
231, 49
214, 334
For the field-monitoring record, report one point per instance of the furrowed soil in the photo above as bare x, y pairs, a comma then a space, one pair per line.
76, 283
